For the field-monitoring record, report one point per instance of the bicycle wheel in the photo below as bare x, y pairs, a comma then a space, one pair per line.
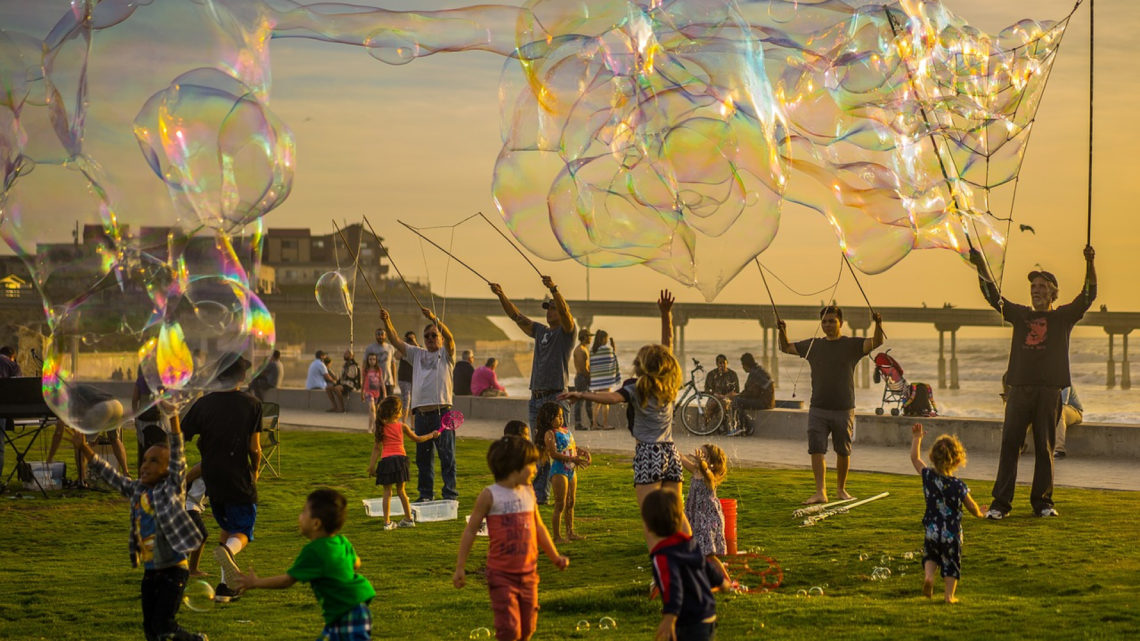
702, 414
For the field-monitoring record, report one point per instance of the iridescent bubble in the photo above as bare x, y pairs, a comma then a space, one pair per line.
801, 593
607, 623
815, 591
332, 293
480, 633
863, 556
198, 596
582, 626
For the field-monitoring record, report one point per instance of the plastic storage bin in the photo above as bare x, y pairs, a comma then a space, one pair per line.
49, 475
435, 511
375, 507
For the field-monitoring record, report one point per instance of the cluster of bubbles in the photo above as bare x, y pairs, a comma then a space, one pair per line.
136, 164
604, 623
638, 132
480, 633
882, 571
815, 590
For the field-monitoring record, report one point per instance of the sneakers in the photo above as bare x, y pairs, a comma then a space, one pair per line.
995, 515
390, 525
226, 559
735, 432
1059, 454
423, 499
223, 594
1049, 512
406, 523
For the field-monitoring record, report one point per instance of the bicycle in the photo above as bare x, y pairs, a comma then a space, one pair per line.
700, 412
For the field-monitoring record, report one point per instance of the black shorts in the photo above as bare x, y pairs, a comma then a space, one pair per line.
392, 470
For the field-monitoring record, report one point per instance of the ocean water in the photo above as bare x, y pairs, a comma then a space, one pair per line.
981, 363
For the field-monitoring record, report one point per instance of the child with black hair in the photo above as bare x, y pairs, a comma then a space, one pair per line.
683, 575
328, 563
517, 532
163, 534
516, 427
389, 449
945, 495
566, 458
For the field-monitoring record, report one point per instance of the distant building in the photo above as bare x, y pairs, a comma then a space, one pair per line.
300, 258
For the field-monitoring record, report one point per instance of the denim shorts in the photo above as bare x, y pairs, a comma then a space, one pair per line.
236, 518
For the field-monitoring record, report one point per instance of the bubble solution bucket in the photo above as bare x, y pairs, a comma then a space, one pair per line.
728, 506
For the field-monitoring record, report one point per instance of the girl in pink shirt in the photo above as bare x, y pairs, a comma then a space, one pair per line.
389, 449
516, 532
372, 388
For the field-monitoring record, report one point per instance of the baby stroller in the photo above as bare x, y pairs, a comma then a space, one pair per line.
895, 389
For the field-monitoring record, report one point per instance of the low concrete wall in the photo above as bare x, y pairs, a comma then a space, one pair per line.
979, 434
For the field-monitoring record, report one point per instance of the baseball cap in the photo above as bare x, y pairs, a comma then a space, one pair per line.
1043, 274
547, 301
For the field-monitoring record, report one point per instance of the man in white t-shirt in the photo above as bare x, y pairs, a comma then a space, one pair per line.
432, 369
320, 378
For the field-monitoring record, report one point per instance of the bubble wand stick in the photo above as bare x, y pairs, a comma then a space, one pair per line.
389, 255
859, 285
763, 278
350, 253
433, 244
516, 247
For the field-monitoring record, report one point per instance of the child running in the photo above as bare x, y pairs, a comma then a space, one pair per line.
566, 457
656, 461
162, 533
683, 575
516, 532
372, 387
329, 564
945, 496
708, 466
389, 448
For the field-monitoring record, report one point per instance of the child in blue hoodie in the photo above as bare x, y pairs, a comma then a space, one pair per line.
683, 575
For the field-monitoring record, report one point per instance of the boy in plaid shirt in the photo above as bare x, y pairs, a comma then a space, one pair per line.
162, 533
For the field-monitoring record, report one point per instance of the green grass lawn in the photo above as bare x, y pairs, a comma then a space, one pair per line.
64, 571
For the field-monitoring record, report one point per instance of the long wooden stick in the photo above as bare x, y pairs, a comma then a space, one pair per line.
433, 244
819, 507
816, 518
859, 285
350, 253
766, 288
390, 260
512, 244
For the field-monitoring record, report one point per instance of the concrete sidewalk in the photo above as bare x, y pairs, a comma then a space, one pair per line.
1074, 471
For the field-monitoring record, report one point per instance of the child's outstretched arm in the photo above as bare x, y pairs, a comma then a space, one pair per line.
482, 506
605, 398
546, 544
250, 580
975, 509
916, 445
665, 306
417, 438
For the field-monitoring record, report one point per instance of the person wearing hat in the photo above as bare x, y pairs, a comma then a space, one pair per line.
553, 344
227, 424
1038, 371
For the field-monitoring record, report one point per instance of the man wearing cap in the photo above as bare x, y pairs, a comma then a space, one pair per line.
433, 367
1038, 371
553, 344
228, 426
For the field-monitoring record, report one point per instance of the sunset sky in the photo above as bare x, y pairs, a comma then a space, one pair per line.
418, 142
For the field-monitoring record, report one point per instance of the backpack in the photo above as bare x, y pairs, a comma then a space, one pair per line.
920, 401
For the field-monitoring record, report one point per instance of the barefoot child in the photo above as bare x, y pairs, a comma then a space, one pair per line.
656, 461
566, 457
709, 466
682, 574
516, 532
329, 564
389, 447
162, 533
945, 496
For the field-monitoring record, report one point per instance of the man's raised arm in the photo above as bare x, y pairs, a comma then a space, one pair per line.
513, 313
397, 342
561, 305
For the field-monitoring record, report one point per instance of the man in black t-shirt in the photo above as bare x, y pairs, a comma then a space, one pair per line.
832, 411
1038, 371
461, 375
228, 427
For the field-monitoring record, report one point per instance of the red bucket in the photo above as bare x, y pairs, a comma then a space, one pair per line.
728, 506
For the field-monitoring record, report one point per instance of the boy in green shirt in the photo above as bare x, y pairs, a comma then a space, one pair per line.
329, 565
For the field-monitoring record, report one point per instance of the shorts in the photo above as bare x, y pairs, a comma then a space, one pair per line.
355, 625
514, 600
235, 518
840, 424
392, 470
655, 463
696, 630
